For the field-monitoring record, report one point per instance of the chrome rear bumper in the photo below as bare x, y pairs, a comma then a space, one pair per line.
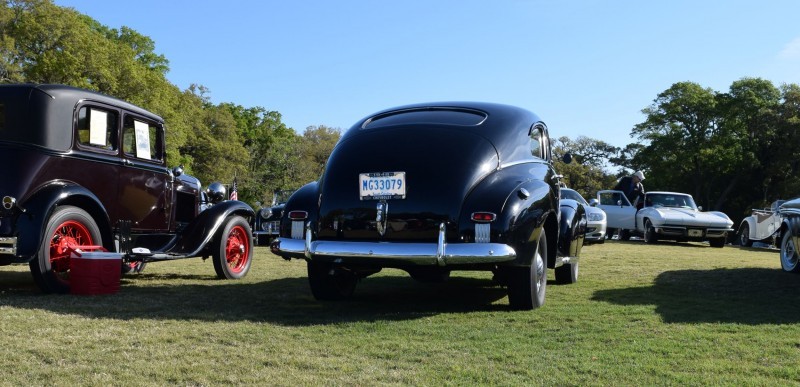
440, 253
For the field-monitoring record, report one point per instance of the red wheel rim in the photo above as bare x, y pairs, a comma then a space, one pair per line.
67, 235
237, 249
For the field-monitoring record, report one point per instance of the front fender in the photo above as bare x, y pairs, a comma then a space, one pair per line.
572, 228
197, 235
30, 225
751, 227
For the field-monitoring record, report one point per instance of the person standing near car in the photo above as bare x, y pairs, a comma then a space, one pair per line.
631, 186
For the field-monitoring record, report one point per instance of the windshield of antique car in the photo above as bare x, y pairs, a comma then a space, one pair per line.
439, 116
282, 196
574, 195
670, 200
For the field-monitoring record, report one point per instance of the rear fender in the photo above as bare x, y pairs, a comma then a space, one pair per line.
524, 207
307, 199
572, 228
198, 233
31, 224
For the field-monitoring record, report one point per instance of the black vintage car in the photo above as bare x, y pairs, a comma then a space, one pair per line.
268, 218
84, 169
433, 188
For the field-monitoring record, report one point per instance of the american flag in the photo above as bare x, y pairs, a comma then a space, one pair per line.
234, 192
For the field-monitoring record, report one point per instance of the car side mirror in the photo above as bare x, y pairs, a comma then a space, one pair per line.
619, 203
177, 171
699, 208
567, 158
593, 202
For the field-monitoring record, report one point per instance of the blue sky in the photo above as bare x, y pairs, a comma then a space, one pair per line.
585, 67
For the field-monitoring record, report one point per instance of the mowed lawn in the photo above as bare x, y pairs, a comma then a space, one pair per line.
669, 314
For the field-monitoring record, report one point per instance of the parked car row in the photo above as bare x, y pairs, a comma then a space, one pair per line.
467, 186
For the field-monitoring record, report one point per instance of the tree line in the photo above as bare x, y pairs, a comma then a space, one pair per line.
732, 150
41, 42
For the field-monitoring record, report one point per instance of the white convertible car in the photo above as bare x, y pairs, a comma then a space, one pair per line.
664, 215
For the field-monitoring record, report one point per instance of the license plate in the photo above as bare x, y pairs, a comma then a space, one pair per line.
382, 185
695, 233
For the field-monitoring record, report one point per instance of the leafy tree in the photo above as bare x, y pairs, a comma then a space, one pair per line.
586, 173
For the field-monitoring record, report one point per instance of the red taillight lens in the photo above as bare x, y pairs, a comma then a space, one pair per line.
483, 217
298, 215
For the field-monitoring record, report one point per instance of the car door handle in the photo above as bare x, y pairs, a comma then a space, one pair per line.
127, 162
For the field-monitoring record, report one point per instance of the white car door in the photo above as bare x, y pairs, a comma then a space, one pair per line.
619, 211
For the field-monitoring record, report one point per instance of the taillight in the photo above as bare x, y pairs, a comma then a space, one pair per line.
483, 217
298, 215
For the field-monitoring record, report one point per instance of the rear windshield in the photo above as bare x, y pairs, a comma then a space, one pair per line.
437, 116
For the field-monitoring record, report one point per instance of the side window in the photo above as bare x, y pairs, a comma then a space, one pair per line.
97, 127
141, 139
537, 146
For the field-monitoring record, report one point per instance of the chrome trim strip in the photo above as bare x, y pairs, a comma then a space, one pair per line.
482, 232
441, 244
411, 253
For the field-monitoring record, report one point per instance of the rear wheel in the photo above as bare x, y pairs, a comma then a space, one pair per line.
790, 261
650, 235
67, 228
330, 282
233, 249
527, 285
744, 236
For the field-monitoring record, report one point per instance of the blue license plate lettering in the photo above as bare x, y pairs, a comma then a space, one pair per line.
382, 185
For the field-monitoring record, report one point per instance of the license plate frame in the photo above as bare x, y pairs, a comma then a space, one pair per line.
695, 233
382, 185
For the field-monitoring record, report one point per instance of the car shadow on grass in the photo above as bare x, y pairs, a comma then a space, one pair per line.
285, 301
746, 296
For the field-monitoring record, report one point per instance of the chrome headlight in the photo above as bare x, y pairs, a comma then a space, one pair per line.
217, 192
265, 213
8, 202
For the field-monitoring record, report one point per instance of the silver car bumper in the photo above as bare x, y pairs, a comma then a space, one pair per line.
440, 253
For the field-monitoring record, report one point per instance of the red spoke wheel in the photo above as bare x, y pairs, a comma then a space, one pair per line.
233, 249
67, 228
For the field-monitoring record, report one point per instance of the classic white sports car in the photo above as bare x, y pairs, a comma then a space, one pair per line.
664, 215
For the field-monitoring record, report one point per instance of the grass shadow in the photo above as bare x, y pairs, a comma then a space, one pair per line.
286, 301
746, 296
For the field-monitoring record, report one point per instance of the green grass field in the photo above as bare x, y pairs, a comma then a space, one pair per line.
670, 314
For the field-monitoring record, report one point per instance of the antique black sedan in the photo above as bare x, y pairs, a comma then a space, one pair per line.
433, 188
84, 169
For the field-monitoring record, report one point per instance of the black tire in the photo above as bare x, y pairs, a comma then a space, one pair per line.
743, 237
717, 242
68, 227
329, 282
624, 235
790, 257
232, 249
650, 235
429, 274
527, 285
610, 233
567, 273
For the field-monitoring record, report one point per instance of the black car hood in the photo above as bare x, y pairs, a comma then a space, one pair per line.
441, 164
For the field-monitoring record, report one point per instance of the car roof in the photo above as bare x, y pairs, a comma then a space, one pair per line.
51, 107
506, 127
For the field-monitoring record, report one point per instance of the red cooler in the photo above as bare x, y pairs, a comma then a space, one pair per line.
94, 272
